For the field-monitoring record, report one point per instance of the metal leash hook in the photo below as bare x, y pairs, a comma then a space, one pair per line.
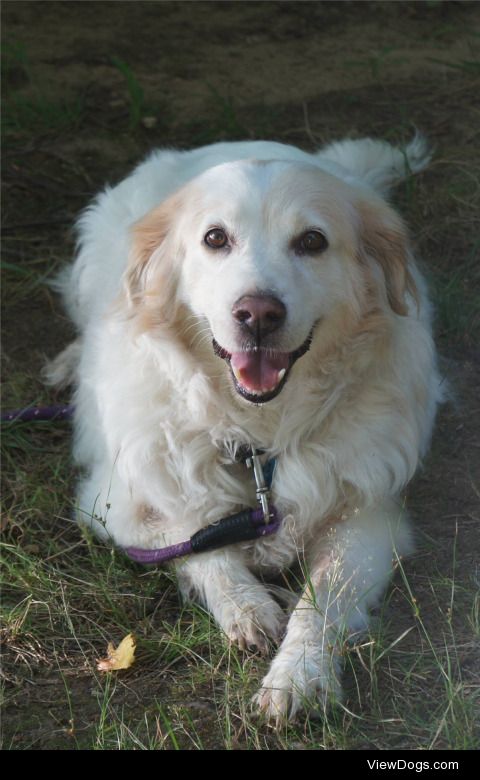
262, 491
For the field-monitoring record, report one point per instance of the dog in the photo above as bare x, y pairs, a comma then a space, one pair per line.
253, 293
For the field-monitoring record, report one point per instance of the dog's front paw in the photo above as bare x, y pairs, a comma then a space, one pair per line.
297, 682
253, 624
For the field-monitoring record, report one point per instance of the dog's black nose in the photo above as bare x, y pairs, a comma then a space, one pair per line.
259, 314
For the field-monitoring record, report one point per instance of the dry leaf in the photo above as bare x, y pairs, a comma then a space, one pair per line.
119, 658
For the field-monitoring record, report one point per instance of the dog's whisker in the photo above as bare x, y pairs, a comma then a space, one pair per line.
201, 338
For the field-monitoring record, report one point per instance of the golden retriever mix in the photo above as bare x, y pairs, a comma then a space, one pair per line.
254, 294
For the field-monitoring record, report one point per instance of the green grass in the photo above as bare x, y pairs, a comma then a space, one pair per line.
467, 66
378, 61
42, 112
25, 279
33, 108
222, 120
136, 95
457, 297
65, 595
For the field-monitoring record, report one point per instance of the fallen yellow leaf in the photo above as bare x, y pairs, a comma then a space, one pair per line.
118, 658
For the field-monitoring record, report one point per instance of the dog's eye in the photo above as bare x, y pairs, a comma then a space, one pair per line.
216, 238
311, 242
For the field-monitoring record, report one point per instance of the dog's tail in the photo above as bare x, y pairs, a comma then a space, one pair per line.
61, 371
379, 163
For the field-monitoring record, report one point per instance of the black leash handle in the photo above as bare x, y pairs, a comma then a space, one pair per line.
240, 527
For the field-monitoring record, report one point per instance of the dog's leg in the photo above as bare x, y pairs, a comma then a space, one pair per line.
240, 604
346, 574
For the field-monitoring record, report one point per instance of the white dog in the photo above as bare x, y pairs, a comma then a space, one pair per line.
254, 293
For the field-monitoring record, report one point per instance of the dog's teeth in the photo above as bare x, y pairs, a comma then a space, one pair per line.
281, 374
237, 373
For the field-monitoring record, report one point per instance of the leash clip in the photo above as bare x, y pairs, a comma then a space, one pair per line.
262, 491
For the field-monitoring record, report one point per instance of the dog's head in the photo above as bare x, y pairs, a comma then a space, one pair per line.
262, 259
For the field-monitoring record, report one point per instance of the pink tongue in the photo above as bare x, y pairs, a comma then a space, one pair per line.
258, 371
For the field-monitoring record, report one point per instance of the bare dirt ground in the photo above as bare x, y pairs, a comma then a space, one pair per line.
90, 88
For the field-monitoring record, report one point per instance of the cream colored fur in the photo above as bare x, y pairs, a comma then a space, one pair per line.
157, 417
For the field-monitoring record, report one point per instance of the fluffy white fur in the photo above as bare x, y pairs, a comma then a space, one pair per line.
157, 417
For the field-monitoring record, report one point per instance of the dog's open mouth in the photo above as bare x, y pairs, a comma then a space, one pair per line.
259, 374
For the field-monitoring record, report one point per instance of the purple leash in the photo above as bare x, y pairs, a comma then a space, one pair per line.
243, 526
39, 413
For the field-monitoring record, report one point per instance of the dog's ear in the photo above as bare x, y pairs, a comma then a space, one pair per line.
383, 237
150, 280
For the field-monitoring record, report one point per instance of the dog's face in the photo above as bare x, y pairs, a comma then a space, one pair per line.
267, 257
